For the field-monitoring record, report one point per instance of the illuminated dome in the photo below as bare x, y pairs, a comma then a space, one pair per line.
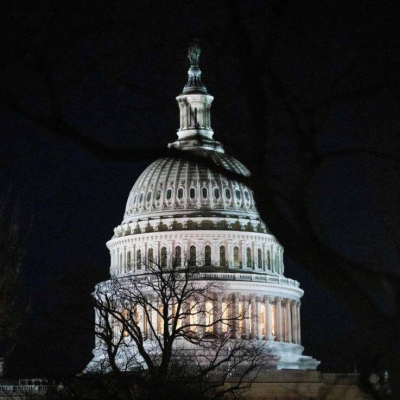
180, 209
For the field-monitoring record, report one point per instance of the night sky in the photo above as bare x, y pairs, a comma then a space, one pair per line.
308, 90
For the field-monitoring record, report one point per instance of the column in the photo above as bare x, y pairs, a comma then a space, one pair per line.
134, 258
298, 323
288, 322
293, 320
217, 314
259, 302
124, 261
268, 317
154, 320
143, 326
202, 317
278, 318
254, 317
235, 315
245, 305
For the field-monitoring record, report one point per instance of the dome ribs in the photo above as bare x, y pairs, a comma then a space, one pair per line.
173, 173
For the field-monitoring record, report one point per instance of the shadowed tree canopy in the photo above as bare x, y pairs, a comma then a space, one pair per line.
306, 96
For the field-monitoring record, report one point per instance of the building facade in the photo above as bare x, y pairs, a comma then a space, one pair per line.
181, 209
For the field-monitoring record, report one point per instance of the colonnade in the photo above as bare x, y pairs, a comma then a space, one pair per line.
266, 317
253, 317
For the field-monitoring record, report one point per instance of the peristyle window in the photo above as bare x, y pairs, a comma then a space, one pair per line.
207, 255
248, 257
222, 260
236, 256
192, 255
163, 257
178, 256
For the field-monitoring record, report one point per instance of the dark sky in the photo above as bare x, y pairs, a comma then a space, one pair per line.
315, 86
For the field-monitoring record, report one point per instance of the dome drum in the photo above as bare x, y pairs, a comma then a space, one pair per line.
245, 251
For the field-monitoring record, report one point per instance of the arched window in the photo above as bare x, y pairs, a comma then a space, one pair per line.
148, 196
236, 260
222, 259
129, 260
192, 256
141, 198
178, 256
216, 193
204, 192
150, 257
169, 194
163, 257
259, 258
180, 193
268, 259
228, 194
207, 256
192, 193
238, 194
248, 258
139, 259
246, 195
158, 195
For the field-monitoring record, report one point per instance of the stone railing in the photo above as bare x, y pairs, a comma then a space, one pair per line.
280, 280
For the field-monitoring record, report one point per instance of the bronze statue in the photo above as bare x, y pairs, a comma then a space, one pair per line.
194, 52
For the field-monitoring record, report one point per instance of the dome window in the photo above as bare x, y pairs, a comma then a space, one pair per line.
149, 196
246, 195
228, 194
238, 194
192, 256
169, 194
158, 195
150, 257
129, 261
207, 256
249, 263
139, 259
192, 193
216, 193
141, 198
222, 259
163, 257
204, 193
180, 193
178, 256
236, 260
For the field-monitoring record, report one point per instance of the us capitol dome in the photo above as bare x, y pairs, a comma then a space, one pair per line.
180, 208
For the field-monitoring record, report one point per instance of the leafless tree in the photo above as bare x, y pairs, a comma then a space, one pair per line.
169, 330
